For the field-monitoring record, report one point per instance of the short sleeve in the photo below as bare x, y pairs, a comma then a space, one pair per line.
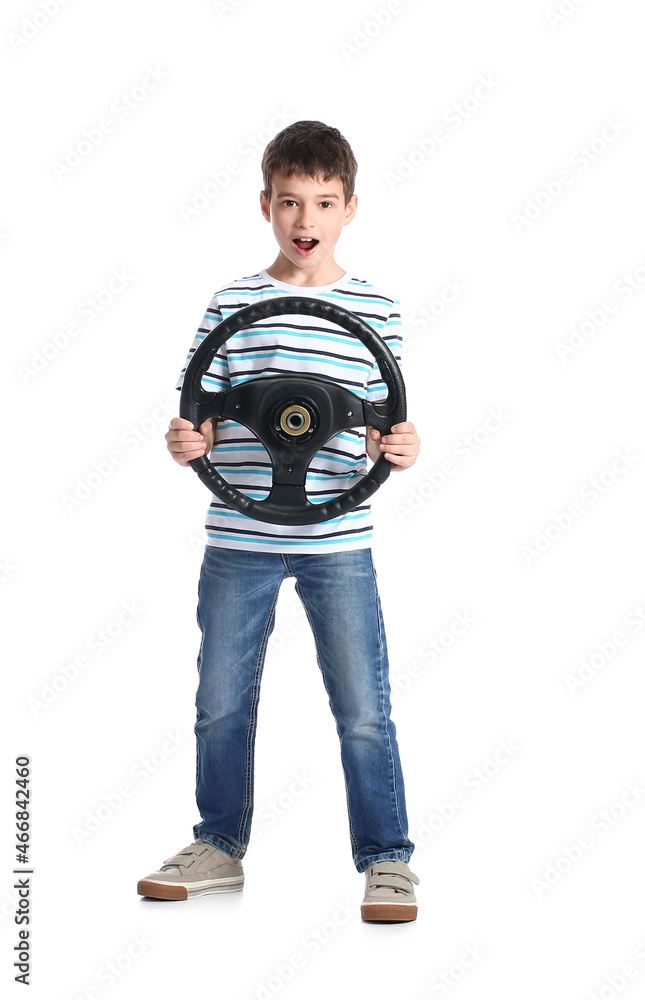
216, 379
391, 334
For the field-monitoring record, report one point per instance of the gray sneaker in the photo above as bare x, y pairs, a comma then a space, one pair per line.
197, 869
389, 892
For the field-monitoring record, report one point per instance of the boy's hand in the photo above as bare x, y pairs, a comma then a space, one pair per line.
400, 446
185, 444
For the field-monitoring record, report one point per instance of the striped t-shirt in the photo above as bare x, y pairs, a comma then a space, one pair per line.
294, 344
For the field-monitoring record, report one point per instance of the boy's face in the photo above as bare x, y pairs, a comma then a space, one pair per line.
304, 207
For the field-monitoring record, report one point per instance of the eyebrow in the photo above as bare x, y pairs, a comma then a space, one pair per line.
290, 194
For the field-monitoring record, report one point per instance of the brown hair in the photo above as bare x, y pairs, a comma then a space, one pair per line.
310, 149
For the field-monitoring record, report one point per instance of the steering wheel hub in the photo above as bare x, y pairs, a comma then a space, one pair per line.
295, 420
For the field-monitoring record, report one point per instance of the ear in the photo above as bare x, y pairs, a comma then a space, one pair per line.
350, 209
264, 206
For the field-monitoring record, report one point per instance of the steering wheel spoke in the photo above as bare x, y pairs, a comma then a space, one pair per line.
288, 495
211, 407
378, 415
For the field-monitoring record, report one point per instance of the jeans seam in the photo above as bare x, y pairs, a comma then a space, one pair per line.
382, 695
250, 734
353, 839
198, 761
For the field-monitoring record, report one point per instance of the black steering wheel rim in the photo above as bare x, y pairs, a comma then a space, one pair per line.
287, 503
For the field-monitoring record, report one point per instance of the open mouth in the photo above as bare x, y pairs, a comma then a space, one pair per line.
305, 246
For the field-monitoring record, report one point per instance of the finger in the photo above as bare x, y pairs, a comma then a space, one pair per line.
179, 423
400, 449
399, 461
185, 446
394, 440
181, 447
393, 436
193, 436
400, 456
184, 457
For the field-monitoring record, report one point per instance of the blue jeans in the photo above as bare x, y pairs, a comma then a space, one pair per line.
237, 596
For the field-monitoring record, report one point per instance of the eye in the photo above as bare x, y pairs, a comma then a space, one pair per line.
327, 203
288, 201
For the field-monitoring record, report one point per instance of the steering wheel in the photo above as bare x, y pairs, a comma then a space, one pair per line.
293, 416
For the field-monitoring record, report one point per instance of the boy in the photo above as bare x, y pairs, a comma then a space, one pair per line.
308, 171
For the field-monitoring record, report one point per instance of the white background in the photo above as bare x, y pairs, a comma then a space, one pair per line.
501, 874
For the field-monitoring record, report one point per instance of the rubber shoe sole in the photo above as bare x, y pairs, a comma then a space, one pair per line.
173, 890
390, 912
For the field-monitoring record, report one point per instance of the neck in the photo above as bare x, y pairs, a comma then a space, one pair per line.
283, 270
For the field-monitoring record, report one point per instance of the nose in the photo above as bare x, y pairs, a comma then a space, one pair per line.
304, 222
